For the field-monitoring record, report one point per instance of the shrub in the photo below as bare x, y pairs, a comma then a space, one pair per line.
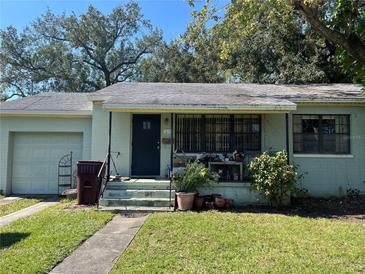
193, 176
273, 176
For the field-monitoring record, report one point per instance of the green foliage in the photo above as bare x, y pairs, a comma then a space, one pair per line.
341, 23
178, 63
191, 58
273, 176
269, 42
227, 242
193, 176
255, 41
75, 53
348, 17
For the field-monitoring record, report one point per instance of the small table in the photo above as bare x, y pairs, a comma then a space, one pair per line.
229, 163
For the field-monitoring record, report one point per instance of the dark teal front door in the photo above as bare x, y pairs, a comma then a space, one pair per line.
146, 145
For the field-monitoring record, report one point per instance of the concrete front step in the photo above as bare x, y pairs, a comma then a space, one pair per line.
139, 184
137, 193
136, 208
138, 202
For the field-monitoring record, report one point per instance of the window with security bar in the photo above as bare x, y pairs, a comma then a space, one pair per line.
218, 133
321, 134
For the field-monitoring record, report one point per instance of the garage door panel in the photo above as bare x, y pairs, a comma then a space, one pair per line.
36, 157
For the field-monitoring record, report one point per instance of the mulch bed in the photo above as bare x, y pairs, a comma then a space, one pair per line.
349, 209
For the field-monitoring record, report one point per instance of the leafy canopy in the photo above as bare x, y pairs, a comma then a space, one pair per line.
75, 53
265, 41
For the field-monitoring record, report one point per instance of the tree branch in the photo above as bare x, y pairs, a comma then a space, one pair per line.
129, 62
92, 64
351, 43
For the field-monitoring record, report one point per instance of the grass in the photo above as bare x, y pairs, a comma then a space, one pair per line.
18, 205
35, 244
213, 242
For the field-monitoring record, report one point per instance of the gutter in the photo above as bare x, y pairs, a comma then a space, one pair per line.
329, 102
197, 108
45, 114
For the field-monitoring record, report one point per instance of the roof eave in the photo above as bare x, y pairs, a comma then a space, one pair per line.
46, 113
198, 108
334, 101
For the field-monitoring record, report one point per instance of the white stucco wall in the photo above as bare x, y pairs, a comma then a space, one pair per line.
9, 125
121, 138
273, 132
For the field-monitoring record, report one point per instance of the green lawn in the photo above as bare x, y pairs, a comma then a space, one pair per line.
37, 243
17, 205
213, 242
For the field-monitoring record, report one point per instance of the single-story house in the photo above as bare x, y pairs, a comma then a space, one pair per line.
153, 125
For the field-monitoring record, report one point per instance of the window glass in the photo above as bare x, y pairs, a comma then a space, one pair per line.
321, 134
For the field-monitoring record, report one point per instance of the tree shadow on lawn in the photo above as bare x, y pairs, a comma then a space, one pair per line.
7, 239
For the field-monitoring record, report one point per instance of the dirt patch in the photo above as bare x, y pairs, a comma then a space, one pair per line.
74, 206
349, 209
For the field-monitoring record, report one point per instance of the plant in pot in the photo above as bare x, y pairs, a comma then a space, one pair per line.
187, 181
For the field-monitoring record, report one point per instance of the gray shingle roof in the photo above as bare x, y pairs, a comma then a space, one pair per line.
180, 94
50, 101
191, 93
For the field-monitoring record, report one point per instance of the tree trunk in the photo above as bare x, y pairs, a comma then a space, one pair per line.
107, 78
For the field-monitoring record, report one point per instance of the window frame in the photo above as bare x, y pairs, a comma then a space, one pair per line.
232, 134
321, 134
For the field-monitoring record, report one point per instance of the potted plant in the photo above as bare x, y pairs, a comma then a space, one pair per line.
187, 181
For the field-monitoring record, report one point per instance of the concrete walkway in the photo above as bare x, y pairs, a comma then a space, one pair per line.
8, 200
26, 212
100, 252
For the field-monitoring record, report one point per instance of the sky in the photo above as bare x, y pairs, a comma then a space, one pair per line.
171, 16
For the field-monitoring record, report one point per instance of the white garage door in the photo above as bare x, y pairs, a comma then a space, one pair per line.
36, 157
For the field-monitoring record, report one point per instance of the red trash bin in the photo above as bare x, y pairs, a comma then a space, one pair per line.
88, 185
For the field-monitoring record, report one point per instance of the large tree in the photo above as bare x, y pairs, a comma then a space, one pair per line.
75, 53
192, 57
178, 63
269, 42
264, 41
342, 22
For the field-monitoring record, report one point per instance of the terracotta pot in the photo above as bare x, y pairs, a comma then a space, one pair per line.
198, 202
219, 202
229, 203
185, 200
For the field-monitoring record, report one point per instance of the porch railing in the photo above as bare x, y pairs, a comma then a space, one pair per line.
102, 179
170, 186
